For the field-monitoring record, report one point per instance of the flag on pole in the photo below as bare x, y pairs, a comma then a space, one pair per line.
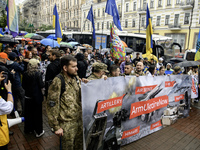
197, 55
91, 18
149, 32
111, 9
117, 49
12, 17
57, 25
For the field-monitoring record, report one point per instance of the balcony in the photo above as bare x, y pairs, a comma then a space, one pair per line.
142, 10
186, 5
174, 26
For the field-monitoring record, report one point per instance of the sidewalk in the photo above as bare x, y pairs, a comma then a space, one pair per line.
184, 134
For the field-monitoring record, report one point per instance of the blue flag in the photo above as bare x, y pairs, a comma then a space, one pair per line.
149, 32
91, 18
57, 25
197, 55
111, 9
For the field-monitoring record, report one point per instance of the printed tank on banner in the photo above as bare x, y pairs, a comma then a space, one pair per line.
120, 110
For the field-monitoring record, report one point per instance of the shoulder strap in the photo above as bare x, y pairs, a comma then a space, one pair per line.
62, 84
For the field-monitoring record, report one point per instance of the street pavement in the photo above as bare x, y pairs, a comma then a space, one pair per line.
183, 135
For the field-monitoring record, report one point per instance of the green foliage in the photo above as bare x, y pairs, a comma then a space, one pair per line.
44, 27
3, 19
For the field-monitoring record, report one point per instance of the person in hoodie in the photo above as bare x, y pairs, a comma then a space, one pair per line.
82, 65
53, 68
18, 92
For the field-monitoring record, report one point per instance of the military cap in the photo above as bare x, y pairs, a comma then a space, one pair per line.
177, 68
100, 66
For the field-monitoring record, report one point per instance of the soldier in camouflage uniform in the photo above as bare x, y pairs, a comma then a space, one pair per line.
128, 69
139, 69
65, 113
98, 71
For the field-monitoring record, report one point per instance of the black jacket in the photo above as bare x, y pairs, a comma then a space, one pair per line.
32, 85
53, 69
82, 65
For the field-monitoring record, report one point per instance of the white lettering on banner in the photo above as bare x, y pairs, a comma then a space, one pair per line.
111, 103
145, 89
131, 132
148, 106
155, 125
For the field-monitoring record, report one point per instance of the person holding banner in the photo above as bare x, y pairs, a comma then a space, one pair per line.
139, 69
98, 71
128, 69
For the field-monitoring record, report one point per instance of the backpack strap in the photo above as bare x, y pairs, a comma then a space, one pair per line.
62, 84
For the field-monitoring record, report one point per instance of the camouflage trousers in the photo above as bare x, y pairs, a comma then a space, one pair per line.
72, 135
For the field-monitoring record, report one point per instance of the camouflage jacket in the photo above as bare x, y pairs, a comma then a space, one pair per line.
93, 77
66, 109
140, 74
37, 57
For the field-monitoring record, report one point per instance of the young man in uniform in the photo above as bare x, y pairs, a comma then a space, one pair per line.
98, 71
64, 111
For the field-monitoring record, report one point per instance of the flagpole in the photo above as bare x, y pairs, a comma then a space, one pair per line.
102, 29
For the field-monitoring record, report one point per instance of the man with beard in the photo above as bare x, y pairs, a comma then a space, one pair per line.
139, 69
35, 54
64, 111
53, 68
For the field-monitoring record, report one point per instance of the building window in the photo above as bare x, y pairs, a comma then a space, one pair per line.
143, 21
151, 3
119, 9
94, 13
159, 3
84, 14
107, 24
97, 25
133, 23
144, 4
176, 20
168, 2
127, 7
74, 12
188, 2
187, 16
103, 12
88, 26
126, 23
134, 6
167, 19
158, 21
102, 26
74, 24
98, 12
77, 23
178, 1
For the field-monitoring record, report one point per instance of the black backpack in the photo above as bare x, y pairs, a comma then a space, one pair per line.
62, 84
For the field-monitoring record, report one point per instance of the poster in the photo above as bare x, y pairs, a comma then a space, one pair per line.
120, 110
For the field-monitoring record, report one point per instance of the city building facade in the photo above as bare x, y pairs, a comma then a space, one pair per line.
178, 19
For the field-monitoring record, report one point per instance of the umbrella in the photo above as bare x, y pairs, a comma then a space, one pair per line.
125, 45
29, 35
71, 40
28, 39
188, 64
65, 45
129, 50
102, 51
8, 40
19, 37
73, 43
37, 37
49, 42
177, 60
52, 36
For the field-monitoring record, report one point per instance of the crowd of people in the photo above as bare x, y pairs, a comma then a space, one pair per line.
20, 65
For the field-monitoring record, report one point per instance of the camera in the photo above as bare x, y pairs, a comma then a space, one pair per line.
5, 75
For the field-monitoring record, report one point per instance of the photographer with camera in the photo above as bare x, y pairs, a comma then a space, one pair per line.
5, 108
7, 73
18, 92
